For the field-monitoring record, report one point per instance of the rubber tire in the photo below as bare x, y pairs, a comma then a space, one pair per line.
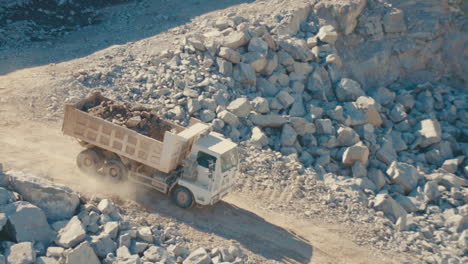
118, 167
178, 193
89, 161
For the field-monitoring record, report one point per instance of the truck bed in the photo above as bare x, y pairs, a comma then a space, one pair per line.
124, 141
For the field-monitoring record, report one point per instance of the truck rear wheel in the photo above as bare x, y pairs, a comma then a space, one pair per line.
89, 161
115, 170
183, 197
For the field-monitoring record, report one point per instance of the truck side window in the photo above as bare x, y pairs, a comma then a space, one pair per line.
204, 159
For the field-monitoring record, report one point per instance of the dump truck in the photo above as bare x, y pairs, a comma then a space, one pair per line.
193, 164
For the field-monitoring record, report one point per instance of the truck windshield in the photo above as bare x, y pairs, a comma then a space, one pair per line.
229, 160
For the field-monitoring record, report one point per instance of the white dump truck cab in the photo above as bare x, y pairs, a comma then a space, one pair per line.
210, 170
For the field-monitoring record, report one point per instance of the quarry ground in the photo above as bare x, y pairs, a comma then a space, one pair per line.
31, 138
39, 147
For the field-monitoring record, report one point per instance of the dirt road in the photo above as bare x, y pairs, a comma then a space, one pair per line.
42, 149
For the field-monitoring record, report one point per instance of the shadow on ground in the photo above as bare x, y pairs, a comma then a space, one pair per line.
231, 222
120, 24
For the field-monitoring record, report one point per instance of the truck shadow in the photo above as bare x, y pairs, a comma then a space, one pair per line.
231, 222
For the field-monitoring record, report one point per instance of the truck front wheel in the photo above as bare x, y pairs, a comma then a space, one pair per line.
183, 197
89, 161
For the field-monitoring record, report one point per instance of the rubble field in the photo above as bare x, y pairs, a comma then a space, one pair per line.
352, 113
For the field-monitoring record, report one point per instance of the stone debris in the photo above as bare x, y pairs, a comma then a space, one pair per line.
329, 96
199, 256
72, 234
430, 132
258, 137
230, 55
82, 254
236, 40
21, 253
348, 90
106, 206
403, 174
357, 152
240, 107
21, 228
57, 201
386, 204
96, 233
327, 34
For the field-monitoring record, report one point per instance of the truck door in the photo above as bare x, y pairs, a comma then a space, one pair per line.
206, 169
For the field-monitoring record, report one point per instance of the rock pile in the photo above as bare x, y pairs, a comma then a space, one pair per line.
138, 118
285, 86
43, 222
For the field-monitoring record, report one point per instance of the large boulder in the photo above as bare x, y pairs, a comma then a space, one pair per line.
103, 244
199, 256
256, 60
302, 126
391, 209
260, 105
377, 177
324, 126
72, 234
82, 254
236, 39
297, 48
285, 99
288, 135
267, 120
228, 117
155, 253
266, 87
348, 90
224, 67
271, 63
358, 152
328, 34
404, 174
343, 14
58, 201
20, 226
229, 54
387, 153
258, 137
371, 108
446, 179
245, 74
258, 45
291, 23
319, 84
240, 107
6, 196
347, 136
430, 131
354, 115
410, 203
21, 253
